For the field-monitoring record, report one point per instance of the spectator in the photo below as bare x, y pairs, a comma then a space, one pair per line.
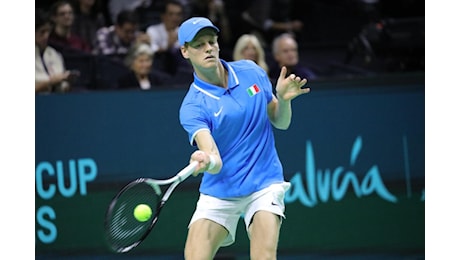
50, 72
285, 53
139, 60
88, 19
215, 11
116, 40
270, 18
115, 7
249, 47
62, 37
163, 37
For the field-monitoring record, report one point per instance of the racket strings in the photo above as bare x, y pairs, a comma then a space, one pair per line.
123, 229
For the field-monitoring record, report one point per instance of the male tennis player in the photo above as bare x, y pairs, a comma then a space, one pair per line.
228, 113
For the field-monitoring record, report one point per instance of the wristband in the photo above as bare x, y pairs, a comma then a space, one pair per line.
212, 162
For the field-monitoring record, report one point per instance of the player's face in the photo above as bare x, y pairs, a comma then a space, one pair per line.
203, 51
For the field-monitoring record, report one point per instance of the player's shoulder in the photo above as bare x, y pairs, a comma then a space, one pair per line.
243, 64
246, 65
193, 96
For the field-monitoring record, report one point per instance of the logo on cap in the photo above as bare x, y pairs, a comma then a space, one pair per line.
189, 28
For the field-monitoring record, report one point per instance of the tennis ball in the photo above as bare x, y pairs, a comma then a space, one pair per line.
142, 212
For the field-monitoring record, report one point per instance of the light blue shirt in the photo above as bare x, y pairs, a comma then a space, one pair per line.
238, 121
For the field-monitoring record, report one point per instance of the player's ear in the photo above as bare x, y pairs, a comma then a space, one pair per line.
184, 51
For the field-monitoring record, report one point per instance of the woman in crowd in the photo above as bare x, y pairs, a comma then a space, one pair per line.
249, 47
139, 60
50, 72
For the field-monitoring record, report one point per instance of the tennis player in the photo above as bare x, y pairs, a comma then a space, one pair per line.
228, 113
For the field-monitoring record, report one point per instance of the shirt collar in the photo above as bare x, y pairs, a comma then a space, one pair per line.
213, 90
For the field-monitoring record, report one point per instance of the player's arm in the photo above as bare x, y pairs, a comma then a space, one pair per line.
207, 154
287, 88
280, 113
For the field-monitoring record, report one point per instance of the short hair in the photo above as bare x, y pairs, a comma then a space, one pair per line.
54, 8
135, 51
278, 38
127, 16
164, 6
41, 18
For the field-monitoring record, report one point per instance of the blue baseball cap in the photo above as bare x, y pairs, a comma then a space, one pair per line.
189, 28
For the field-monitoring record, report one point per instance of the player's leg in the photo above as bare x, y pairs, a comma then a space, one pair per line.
263, 219
213, 225
264, 233
204, 239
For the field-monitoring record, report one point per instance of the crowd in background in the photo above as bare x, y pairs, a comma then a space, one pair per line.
86, 45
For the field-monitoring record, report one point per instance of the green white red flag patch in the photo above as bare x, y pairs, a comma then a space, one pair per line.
254, 89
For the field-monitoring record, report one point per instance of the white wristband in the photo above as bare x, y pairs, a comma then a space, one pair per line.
212, 162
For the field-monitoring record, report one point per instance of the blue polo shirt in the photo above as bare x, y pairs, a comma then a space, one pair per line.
238, 121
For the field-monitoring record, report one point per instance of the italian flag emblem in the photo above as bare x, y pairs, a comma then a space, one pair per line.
254, 89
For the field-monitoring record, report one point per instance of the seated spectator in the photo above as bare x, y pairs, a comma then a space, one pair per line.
248, 47
115, 7
116, 40
285, 53
88, 19
50, 72
164, 38
215, 11
270, 18
62, 37
139, 60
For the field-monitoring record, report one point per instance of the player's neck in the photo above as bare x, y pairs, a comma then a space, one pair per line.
218, 77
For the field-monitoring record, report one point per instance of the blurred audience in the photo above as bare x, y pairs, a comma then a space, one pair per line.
164, 37
270, 18
82, 31
248, 47
50, 72
88, 19
139, 60
285, 53
115, 7
215, 11
62, 37
116, 40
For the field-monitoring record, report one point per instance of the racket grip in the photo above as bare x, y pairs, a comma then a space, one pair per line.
187, 171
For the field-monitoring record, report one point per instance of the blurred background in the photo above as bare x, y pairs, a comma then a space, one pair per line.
337, 39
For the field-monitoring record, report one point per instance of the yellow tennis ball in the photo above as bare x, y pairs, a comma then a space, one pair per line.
142, 212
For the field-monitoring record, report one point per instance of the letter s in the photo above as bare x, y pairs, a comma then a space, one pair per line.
44, 214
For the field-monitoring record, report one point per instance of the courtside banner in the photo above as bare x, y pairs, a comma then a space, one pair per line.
354, 154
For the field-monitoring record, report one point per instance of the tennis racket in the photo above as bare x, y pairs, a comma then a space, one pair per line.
122, 230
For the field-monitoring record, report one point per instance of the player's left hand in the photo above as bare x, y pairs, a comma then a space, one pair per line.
288, 88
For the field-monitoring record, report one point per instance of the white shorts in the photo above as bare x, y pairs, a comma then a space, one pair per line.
227, 212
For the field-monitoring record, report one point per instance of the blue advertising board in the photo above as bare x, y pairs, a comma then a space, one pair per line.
354, 155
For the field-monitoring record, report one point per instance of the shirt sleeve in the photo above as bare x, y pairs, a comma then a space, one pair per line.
193, 119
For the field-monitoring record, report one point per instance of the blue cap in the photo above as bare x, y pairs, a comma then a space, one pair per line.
189, 28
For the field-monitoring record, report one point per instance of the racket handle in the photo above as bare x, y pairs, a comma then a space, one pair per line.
187, 171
